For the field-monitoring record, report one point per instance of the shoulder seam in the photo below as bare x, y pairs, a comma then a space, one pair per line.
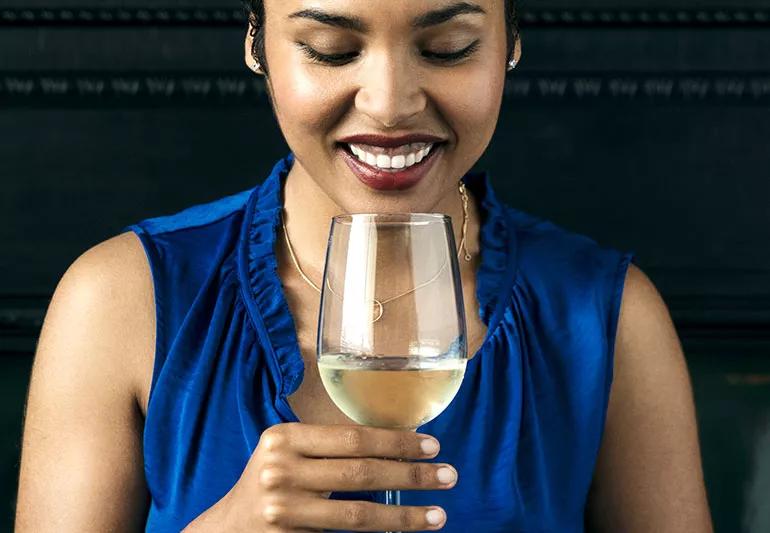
195, 226
151, 221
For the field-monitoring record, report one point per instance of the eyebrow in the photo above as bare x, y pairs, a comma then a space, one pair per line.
431, 18
338, 21
444, 14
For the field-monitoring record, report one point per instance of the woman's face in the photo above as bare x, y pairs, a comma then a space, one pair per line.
406, 76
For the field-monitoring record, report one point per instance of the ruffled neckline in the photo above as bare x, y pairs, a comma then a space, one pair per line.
266, 301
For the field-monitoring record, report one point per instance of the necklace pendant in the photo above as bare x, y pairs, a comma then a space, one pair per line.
377, 310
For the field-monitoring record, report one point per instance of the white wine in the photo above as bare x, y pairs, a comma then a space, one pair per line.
391, 392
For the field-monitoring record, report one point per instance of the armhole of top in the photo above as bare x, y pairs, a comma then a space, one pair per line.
618, 286
153, 260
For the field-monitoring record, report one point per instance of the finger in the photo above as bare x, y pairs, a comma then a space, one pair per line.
359, 474
353, 441
317, 513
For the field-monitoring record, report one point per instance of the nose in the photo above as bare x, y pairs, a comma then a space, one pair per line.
389, 92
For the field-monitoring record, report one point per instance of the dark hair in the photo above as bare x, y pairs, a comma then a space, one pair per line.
255, 10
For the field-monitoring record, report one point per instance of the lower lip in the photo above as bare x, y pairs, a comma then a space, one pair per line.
388, 180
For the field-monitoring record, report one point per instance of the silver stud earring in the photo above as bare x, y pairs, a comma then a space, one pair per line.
257, 67
512, 64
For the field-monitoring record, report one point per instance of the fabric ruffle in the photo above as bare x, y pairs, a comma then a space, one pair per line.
267, 301
497, 270
270, 307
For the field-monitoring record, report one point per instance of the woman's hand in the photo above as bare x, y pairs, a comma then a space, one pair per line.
286, 484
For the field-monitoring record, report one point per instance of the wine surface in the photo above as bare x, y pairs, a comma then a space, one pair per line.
391, 392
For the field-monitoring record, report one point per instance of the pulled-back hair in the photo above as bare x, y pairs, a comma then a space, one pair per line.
255, 10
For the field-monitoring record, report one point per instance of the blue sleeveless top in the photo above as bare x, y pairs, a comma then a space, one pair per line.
523, 431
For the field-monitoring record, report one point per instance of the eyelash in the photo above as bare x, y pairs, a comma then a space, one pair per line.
341, 59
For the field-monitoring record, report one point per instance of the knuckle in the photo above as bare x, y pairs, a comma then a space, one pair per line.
404, 445
355, 515
290, 428
274, 513
353, 438
272, 430
408, 519
360, 473
417, 475
272, 476
273, 439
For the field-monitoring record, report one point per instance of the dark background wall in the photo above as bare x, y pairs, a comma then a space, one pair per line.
644, 125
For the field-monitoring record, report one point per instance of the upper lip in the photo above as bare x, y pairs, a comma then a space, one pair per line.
386, 141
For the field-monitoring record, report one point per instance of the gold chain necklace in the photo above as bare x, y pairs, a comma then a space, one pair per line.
381, 303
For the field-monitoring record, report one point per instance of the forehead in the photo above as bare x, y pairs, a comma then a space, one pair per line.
370, 13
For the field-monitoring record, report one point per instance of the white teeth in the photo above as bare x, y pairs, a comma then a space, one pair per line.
383, 161
397, 161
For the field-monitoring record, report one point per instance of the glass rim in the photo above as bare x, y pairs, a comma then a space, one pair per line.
391, 218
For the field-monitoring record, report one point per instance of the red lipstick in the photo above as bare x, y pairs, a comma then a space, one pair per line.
390, 179
390, 141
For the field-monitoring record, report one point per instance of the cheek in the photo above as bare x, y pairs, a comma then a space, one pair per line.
473, 104
470, 103
304, 102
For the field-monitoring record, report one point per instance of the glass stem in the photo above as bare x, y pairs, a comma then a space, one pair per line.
392, 497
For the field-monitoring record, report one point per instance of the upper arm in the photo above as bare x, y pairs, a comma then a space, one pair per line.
648, 475
81, 466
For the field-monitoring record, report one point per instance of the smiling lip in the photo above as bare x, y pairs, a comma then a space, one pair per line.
390, 180
390, 142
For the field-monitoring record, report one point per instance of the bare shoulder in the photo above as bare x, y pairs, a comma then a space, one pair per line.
108, 291
648, 475
116, 264
109, 262
644, 321
82, 466
641, 296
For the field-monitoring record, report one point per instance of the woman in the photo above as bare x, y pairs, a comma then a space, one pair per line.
175, 384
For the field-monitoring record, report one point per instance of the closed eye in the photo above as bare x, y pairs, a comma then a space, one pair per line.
450, 57
328, 59
346, 57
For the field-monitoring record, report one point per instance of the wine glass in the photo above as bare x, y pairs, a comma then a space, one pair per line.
391, 341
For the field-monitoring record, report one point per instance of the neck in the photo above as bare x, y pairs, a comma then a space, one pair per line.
308, 211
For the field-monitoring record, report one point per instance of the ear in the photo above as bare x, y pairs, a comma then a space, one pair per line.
247, 47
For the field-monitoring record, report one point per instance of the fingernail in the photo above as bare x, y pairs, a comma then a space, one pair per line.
435, 516
446, 475
429, 446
